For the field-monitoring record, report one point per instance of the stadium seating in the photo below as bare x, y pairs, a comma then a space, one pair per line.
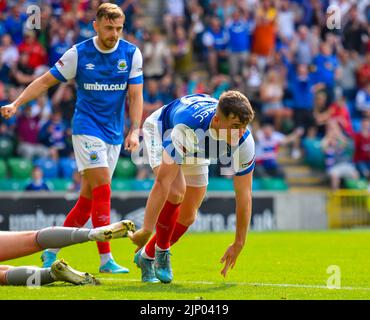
6, 147
13, 184
125, 169
121, 185
20, 168
59, 184
142, 185
357, 184
275, 184
220, 184
2, 169
256, 184
67, 167
48, 166
314, 156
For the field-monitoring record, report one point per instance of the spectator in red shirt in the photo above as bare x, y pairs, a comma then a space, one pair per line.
363, 72
338, 111
362, 149
28, 127
36, 52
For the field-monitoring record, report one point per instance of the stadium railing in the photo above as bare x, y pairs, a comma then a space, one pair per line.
348, 208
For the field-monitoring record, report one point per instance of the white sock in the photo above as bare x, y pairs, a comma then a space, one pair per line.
54, 250
160, 249
105, 257
145, 256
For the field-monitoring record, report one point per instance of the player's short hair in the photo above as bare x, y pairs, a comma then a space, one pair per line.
237, 104
109, 11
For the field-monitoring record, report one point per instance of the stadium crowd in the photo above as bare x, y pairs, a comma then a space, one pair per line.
308, 80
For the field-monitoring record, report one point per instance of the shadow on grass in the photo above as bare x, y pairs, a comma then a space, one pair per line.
171, 288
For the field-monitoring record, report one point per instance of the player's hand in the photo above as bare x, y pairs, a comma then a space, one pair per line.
132, 140
230, 256
8, 110
140, 238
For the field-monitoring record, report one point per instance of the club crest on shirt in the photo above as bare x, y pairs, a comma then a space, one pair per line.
122, 65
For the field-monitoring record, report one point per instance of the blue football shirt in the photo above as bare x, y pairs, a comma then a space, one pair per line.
185, 129
102, 78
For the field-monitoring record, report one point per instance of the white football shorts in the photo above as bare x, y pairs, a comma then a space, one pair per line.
92, 152
196, 175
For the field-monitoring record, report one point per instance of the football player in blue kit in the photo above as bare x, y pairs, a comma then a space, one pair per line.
106, 68
181, 140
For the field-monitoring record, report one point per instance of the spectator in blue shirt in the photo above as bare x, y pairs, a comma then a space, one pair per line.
152, 98
85, 26
239, 32
302, 91
53, 133
325, 68
60, 46
14, 24
37, 183
215, 40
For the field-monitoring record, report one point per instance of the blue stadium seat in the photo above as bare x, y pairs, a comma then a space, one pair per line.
220, 184
48, 166
13, 184
356, 124
142, 185
121, 184
314, 156
67, 167
59, 184
256, 184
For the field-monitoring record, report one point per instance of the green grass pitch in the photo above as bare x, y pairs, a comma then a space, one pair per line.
273, 265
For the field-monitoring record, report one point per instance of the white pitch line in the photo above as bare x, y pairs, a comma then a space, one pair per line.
253, 284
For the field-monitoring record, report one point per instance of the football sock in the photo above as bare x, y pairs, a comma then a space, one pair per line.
77, 217
59, 237
164, 228
104, 258
79, 214
100, 214
177, 233
166, 223
148, 252
149, 248
160, 249
28, 276
145, 255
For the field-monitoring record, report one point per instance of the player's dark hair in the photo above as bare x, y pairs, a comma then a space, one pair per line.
109, 11
236, 104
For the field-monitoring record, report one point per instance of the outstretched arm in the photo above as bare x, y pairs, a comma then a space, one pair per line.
167, 173
33, 90
243, 196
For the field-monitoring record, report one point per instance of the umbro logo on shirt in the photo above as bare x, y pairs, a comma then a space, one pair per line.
90, 66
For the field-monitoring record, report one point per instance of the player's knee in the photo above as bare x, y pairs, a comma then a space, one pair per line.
188, 220
177, 193
176, 196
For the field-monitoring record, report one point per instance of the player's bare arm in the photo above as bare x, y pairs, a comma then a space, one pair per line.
167, 173
33, 90
243, 196
135, 97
